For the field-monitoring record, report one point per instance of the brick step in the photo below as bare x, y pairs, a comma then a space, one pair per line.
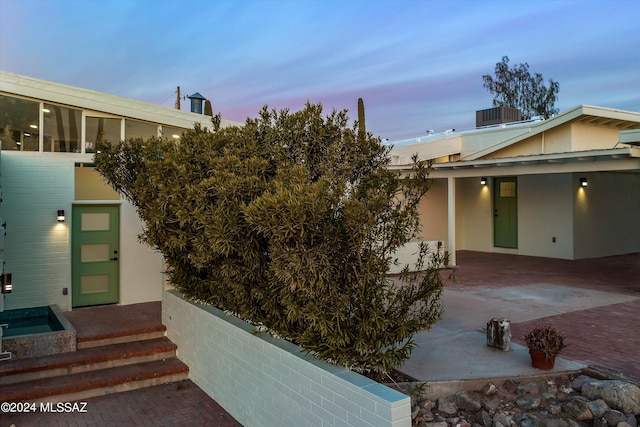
84, 360
119, 337
84, 385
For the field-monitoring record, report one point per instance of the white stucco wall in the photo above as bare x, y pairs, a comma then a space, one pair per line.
473, 215
545, 211
141, 277
433, 212
606, 214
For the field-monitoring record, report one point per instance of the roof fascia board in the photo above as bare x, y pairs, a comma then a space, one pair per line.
580, 161
601, 165
100, 102
584, 161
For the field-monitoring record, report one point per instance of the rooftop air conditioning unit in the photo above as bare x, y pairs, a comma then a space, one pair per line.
497, 115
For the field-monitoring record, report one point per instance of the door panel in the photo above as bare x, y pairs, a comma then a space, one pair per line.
94, 253
505, 212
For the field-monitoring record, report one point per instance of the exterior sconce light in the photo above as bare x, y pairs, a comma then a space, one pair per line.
583, 182
7, 287
483, 180
60, 215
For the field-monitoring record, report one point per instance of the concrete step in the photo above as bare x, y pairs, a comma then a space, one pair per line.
78, 386
84, 360
120, 337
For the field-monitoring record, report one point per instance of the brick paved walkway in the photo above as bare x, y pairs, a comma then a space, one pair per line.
607, 335
179, 404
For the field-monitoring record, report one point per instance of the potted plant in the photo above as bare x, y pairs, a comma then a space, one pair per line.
544, 342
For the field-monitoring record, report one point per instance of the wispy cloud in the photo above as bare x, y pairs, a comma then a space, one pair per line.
418, 65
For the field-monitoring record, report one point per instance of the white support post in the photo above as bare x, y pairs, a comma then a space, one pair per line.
451, 219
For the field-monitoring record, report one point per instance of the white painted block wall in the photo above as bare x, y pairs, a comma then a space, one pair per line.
35, 186
266, 382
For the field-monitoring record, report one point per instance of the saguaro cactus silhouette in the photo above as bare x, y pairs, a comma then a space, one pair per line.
362, 127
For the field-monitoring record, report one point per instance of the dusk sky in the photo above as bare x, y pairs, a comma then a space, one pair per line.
418, 65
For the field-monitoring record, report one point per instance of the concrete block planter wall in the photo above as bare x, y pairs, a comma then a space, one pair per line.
263, 381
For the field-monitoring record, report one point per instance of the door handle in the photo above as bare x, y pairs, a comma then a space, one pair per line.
113, 259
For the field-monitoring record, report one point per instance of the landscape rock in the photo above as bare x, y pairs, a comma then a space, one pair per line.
614, 417
527, 403
526, 420
577, 408
581, 380
598, 408
555, 402
447, 405
489, 389
555, 422
526, 389
466, 402
618, 394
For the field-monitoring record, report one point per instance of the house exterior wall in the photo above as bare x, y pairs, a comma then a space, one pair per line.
589, 137
476, 142
606, 214
38, 248
433, 212
528, 147
545, 211
557, 140
474, 229
141, 268
37, 252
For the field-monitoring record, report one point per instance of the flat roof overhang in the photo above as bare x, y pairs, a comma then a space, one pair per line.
619, 160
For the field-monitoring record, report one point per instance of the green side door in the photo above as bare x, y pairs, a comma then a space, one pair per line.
94, 255
505, 212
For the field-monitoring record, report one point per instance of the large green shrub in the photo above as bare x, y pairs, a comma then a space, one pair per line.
291, 221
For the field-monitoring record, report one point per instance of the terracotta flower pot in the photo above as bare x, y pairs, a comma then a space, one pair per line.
539, 360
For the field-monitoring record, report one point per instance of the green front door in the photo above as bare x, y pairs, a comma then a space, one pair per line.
94, 254
505, 212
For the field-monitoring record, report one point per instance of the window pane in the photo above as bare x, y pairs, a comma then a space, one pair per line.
133, 129
507, 189
19, 124
98, 221
101, 129
94, 252
171, 133
94, 283
61, 129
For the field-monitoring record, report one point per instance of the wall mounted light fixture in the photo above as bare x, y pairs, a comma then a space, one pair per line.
483, 180
7, 287
583, 182
60, 215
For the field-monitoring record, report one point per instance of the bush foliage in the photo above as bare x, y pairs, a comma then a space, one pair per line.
290, 221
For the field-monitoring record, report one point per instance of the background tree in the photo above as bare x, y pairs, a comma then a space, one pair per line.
290, 221
516, 87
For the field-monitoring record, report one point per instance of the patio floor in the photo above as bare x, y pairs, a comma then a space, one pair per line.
593, 302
